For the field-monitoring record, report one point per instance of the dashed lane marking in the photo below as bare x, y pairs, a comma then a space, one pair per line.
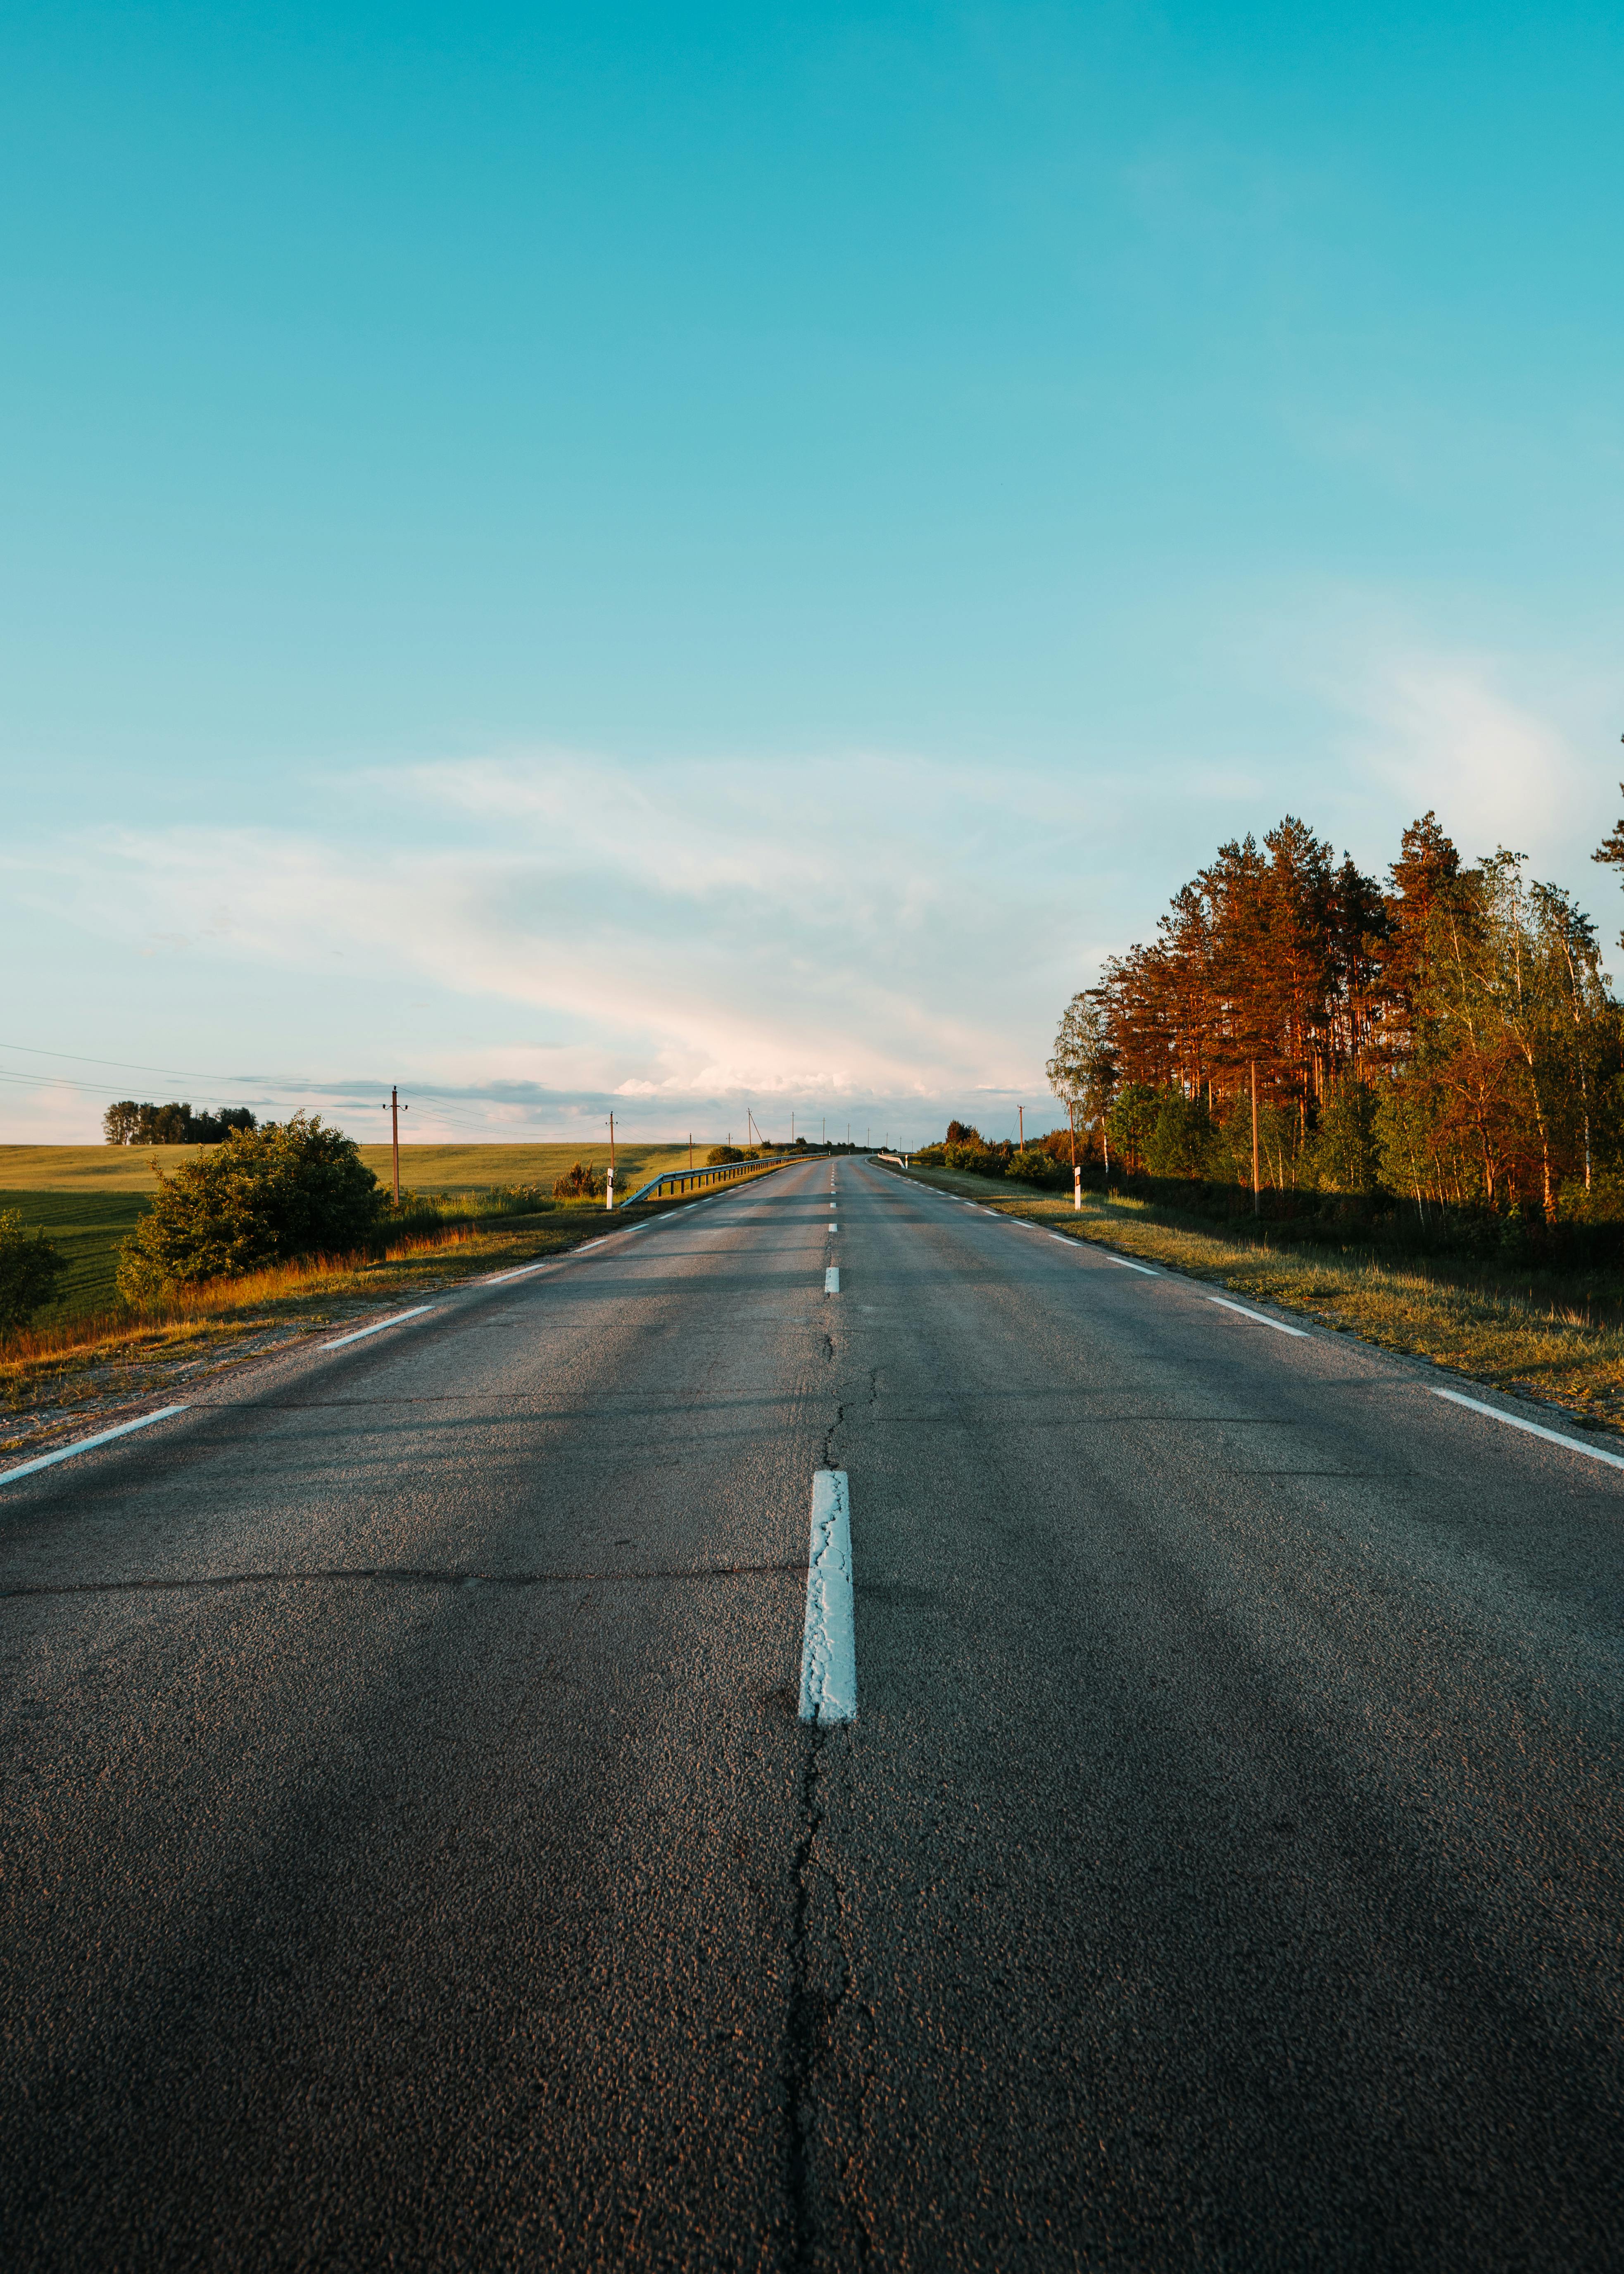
399, 1318
828, 1648
1515, 1421
1123, 1264
832, 1280
1262, 1318
84, 1444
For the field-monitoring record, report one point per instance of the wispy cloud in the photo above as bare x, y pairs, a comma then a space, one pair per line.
841, 928
534, 937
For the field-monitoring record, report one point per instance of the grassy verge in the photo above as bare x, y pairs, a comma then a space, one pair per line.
90, 1197
1529, 1337
53, 1371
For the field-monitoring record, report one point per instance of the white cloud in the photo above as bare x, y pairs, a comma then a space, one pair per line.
538, 935
1441, 732
823, 931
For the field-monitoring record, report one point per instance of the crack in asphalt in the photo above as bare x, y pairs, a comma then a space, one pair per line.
803, 2032
404, 1576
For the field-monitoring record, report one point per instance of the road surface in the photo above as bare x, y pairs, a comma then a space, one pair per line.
414, 1855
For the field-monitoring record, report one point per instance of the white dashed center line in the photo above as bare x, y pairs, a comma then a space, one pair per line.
829, 1650
832, 1280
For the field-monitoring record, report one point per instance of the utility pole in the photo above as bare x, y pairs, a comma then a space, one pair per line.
1077, 1174
690, 1149
1022, 1111
394, 1110
609, 1188
791, 1124
1256, 1203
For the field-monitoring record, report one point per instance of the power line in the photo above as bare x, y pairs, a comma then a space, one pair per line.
129, 1066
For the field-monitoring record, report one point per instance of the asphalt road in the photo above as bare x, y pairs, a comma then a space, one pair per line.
413, 1855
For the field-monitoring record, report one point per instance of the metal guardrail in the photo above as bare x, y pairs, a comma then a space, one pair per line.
724, 1172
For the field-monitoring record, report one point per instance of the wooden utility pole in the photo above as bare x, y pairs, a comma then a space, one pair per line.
690, 1149
1022, 1111
1077, 1174
1256, 1204
609, 1188
394, 1110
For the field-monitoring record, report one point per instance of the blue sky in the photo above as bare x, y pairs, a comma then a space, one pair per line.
708, 557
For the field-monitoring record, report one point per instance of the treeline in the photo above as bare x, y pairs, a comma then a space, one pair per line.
1042, 1161
1449, 1037
128, 1123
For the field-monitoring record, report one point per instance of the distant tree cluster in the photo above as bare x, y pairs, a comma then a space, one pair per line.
1450, 1038
127, 1123
1041, 1161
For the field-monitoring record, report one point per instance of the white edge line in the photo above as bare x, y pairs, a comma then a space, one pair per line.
524, 1272
828, 1648
419, 1311
1123, 1264
832, 1280
1262, 1318
1534, 1430
84, 1444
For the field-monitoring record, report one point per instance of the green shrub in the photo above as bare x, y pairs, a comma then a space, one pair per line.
29, 1269
1132, 1120
1185, 1139
265, 1196
1346, 1156
719, 1155
1035, 1165
580, 1183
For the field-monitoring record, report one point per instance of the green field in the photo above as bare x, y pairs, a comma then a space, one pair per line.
425, 1168
87, 1197
86, 1227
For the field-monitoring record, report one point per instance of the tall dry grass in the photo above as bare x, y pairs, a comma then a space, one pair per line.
131, 1328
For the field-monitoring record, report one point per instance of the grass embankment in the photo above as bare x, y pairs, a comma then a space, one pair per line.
1531, 1334
59, 1364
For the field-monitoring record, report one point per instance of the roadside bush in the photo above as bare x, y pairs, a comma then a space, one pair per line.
720, 1153
579, 1183
1132, 1120
265, 1196
29, 1269
1346, 1154
1035, 1165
